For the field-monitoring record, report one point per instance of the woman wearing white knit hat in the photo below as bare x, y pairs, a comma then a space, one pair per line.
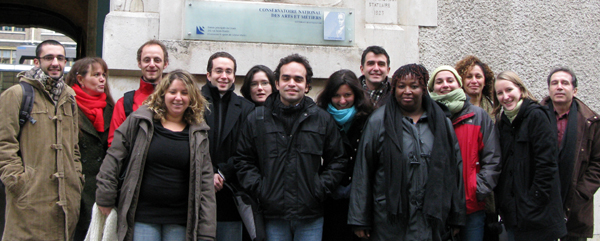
479, 146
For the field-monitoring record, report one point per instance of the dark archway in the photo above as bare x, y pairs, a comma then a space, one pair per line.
81, 20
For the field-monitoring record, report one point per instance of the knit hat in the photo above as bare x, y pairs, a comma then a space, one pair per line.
443, 68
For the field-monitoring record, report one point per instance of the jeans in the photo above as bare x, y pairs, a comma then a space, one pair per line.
158, 232
473, 230
229, 231
310, 229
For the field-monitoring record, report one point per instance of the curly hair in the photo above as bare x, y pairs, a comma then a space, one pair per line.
345, 77
513, 78
82, 66
463, 66
418, 71
194, 113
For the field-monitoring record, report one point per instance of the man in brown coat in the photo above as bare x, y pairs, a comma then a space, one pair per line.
39, 162
578, 129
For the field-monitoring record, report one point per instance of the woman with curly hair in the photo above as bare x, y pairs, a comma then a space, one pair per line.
344, 98
167, 190
478, 81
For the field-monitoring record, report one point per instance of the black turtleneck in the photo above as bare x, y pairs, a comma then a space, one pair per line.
219, 111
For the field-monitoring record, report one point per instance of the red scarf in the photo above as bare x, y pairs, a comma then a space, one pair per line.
92, 107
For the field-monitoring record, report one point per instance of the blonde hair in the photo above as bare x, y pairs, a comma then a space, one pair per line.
513, 78
194, 113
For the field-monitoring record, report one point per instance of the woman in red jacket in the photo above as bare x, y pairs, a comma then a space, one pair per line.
479, 146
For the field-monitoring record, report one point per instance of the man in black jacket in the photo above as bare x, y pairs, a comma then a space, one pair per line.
279, 156
227, 113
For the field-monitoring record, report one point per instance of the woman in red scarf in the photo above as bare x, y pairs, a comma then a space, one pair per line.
88, 77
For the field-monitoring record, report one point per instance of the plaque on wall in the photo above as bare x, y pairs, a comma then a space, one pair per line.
381, 11
268, 23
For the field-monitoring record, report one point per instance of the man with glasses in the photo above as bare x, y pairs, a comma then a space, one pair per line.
225, 116
39, 161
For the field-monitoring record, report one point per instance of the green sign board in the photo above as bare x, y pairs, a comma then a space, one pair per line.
268, 23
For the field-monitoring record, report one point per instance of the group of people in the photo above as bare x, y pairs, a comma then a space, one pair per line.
414, 156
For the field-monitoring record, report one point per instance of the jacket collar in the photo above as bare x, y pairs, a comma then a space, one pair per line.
583, 109
146, 87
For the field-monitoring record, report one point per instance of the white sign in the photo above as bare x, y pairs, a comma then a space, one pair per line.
381, 11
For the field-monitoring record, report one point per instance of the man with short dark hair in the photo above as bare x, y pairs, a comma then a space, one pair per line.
227, 112
375, 66
39, 160
152, 58
290, 156
578, 130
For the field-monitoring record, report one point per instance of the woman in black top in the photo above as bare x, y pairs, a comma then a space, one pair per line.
346, 101
89, 79
167, 192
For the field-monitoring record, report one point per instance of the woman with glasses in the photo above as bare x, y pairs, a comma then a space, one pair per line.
259, 83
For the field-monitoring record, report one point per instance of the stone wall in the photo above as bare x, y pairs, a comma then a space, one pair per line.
527, 37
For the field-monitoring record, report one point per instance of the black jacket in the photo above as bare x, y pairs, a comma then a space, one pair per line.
285, 172
221, 150
528, 192
368, 201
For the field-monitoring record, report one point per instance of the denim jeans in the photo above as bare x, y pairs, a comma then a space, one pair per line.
229, 231
473, 230
158, 232
310, 229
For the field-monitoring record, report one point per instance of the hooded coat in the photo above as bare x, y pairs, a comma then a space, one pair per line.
43, 182
480, 150
528, 192
201, 220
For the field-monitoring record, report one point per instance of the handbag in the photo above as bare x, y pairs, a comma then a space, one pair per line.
102, 228
250, 212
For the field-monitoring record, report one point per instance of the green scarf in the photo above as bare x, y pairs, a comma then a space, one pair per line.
455, 100
512, 114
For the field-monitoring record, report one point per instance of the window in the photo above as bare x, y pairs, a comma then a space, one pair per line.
6, 56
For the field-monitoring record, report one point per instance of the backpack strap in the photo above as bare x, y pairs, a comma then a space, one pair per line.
128, 102
259, 130
26, 104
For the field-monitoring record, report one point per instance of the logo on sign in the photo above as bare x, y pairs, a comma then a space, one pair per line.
199, 30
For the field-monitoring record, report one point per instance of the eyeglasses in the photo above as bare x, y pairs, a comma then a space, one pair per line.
255, 84
220, 71
60, 58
